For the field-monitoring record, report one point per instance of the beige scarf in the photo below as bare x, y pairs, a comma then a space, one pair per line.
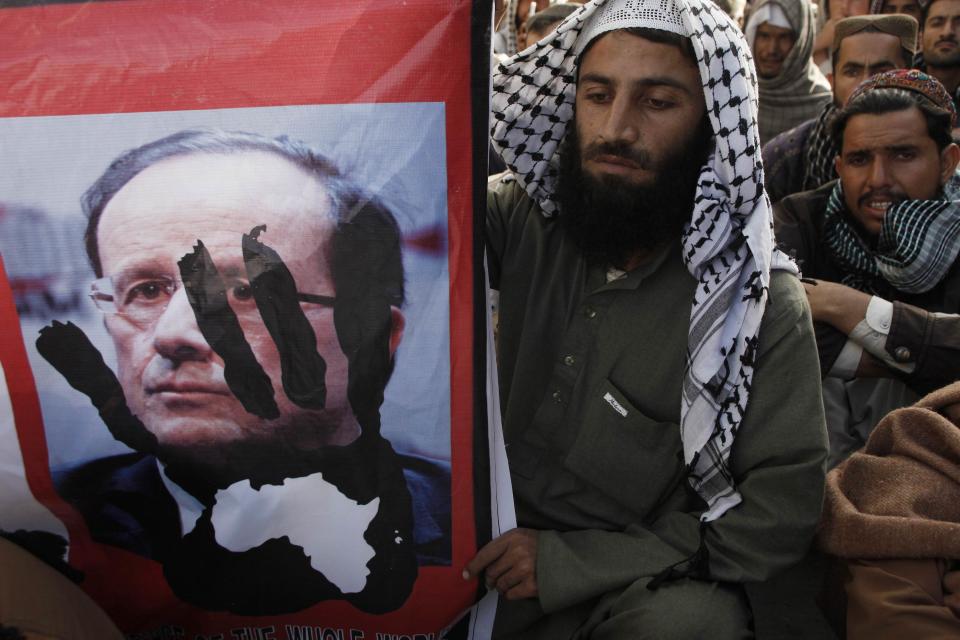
800, 90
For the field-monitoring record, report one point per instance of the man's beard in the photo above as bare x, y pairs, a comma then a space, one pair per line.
936, 59
611, 219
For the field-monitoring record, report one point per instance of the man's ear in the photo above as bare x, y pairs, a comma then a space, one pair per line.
830, 80
949, 158
397, 323
837, 164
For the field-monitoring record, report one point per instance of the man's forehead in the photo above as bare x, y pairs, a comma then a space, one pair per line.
942, 8
876, 131
201, 184
900, 6
772, 29
215, 198
621, 47
250, 170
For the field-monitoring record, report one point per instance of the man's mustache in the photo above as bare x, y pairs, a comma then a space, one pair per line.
772, 56
641, 157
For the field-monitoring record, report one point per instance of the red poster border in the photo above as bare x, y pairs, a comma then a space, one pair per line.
142, 55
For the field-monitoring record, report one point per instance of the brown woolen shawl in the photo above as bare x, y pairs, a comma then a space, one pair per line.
899, 496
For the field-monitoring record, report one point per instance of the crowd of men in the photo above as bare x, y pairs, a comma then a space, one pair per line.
726, 249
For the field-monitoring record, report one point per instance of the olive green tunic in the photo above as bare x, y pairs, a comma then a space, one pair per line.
590, 376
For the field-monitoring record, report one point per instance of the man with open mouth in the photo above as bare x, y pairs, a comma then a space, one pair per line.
882, 243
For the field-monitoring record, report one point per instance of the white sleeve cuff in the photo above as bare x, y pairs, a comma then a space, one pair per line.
847, 362
871, 334
880, 315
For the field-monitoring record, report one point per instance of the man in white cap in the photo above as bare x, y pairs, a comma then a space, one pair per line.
658, 369
792, 88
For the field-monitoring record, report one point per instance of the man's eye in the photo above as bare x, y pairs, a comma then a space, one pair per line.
147, 292
242, 292
658, 105
598, 96
905, 155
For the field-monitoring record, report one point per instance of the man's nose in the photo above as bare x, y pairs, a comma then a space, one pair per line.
620, 124
176, 335
879, 175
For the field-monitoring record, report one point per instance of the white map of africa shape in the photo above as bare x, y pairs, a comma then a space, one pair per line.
312, 513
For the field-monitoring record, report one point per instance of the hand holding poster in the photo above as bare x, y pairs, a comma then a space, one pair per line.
258, 412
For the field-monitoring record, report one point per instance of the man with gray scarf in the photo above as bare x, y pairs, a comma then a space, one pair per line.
792, 88
657, 364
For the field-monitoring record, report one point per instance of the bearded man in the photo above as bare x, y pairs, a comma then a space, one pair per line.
941, 43
657, 360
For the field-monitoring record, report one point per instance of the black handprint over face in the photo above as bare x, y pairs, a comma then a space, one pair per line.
205, 566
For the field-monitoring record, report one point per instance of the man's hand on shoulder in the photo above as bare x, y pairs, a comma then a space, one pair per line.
508, 564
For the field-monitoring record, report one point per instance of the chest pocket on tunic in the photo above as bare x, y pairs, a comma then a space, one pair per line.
630, 457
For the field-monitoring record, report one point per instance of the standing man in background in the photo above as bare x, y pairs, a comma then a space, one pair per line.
792, 88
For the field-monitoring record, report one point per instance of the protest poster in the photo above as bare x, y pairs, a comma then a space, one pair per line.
243, 348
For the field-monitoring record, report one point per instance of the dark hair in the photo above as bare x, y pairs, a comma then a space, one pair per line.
542, 20
880, 101
654, 35
904, 52
924, 12
365, 258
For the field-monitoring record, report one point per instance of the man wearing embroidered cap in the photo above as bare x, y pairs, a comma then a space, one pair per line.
883, 242
657, 362
803, 157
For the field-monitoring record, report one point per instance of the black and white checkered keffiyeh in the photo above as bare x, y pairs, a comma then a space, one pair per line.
919, 242
728, 243
509, 27
821, 151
